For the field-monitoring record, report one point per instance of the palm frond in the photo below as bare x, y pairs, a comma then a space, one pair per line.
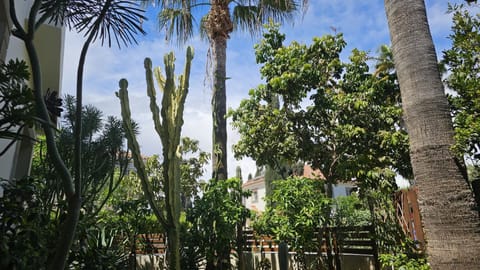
280, 10
247, 18
203, 28
177, 22
120, 20
64, 12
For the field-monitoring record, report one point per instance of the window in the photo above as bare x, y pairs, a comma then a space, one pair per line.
254, 196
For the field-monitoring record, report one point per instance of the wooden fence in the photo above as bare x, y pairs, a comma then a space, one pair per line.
353, 240
334, 242
408, 215
150, 243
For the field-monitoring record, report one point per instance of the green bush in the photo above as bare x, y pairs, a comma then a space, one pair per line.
26, 231
403, 262
350, 211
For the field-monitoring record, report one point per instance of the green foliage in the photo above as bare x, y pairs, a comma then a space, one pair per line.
104, 162
462, 64
350, 211
403, 262
104, 158
120, 21
297, 208
17, 108
379, 187
212, 222
192, 169
264, 264
26, 231
101, 247
336, 115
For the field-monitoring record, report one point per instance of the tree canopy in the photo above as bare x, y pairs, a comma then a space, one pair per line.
338, 116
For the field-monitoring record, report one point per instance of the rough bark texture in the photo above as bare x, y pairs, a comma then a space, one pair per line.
451, 225
219, 26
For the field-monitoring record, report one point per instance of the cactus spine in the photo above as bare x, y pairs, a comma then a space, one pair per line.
168, 122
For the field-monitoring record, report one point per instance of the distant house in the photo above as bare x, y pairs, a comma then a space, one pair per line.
49, 42
256, 201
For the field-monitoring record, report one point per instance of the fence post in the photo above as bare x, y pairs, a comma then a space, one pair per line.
476, 191
283, 255
375, 247
336, 249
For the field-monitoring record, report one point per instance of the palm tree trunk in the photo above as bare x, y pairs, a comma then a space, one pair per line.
451, 225
219, 27
219, 108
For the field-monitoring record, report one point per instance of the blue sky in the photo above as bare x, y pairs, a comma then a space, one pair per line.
363, 23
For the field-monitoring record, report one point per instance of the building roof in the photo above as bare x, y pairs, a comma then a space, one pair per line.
254, 182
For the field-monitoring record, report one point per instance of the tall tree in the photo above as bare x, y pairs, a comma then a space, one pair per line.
336, 115
177, 18
445, 199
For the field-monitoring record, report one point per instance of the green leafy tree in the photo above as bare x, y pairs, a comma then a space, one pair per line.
213, 221
298, 208
350, 211
463, 78
192, 167
177, 19
351, 112
337, 116
16, 99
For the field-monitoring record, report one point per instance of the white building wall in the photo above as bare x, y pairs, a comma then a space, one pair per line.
256, 201
49, 42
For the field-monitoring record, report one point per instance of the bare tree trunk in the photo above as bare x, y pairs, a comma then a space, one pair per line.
451, 225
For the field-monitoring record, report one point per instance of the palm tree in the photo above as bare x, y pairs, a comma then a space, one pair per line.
446, 201
177, 18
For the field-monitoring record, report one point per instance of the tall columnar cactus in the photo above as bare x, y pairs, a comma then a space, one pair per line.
168, 122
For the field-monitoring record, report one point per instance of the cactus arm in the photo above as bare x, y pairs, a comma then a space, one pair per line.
157, 72
170, 160
183, 89
168, 121
135, 148
153, 97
